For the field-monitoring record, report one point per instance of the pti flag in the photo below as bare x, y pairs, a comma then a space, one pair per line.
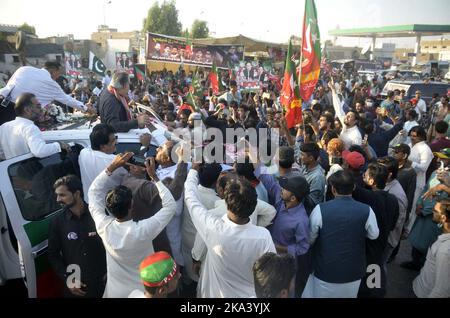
311, 55
195, 94
139, 71
216, 82
96, 65
290, 95
189, 46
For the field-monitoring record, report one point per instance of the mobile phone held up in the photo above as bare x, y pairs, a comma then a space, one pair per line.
137, 161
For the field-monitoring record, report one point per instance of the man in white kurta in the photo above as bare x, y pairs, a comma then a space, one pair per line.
420, 157
128, 242
232, 249
21, 135
262, 216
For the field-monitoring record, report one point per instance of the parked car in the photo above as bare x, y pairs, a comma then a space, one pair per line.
404, 75
434, 68
427, 89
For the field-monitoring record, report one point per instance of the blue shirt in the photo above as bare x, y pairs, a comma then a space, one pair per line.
290, 227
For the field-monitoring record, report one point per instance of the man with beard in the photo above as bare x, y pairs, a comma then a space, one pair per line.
433, 281
350, 133
290, 228
386, 209
21, 135
73, 239
325, 124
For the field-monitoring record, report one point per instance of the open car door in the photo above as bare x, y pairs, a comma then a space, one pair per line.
26, 185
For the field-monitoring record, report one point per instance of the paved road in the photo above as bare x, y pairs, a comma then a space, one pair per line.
399, 280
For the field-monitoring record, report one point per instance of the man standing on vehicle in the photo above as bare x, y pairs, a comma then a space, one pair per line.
40, 82
21, 135
113, 105
73, 240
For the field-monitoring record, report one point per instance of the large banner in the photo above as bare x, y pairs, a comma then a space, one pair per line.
72, 63
167, 49
254, 75
124, 62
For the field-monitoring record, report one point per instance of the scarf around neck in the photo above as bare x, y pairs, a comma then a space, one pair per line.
122, 99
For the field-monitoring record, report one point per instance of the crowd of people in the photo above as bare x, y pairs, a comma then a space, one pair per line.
323, 218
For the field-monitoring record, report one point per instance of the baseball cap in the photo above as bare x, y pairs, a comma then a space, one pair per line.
295, 184
354, 159
443, 154
403, 148
157, 269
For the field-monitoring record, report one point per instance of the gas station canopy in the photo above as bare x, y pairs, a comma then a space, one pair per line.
395, 31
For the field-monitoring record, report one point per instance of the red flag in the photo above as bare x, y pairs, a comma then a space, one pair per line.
189, 46
311, 54
290, 95
214, 79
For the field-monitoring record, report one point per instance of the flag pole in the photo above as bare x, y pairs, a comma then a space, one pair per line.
300, 65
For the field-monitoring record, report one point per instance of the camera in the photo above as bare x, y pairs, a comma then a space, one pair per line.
307, 119
137, 161
5, 102
337, 161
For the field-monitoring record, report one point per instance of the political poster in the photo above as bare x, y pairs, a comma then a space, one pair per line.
254, 75
168, 49
124, 62
72, 64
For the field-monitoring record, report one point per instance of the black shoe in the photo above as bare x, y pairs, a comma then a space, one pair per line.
411, 266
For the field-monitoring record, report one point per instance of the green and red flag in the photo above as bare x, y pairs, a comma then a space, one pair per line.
290, 93
311, 54
231, 72
189, 46
139, 70
214, 79
216, 82
195, 94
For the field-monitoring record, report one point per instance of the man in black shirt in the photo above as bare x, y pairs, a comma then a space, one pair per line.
385, 207
407, 177
73, 240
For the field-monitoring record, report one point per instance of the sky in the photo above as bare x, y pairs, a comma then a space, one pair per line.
273, 21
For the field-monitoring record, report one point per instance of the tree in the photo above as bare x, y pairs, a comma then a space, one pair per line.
199, 29
27, 28
163, 19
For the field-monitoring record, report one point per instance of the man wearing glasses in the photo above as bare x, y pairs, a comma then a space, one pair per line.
21, 135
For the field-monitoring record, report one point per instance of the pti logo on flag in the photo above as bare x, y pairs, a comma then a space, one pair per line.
96, 65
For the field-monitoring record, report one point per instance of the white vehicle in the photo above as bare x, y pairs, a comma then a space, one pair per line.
447, 76
369, 75
28, 204
434, 68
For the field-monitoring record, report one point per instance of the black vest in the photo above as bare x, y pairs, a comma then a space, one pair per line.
339, 253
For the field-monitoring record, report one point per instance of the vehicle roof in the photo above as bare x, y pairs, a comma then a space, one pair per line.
83, 134
342, 61
416, 83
